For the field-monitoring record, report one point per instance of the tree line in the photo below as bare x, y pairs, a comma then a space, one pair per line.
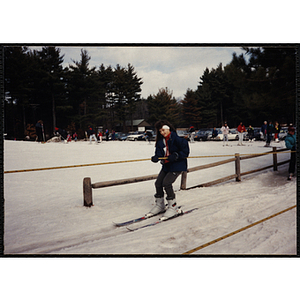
37, 86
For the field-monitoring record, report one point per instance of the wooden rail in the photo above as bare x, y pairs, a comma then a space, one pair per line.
88, 186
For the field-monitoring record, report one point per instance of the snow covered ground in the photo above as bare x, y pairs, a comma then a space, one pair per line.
44, 212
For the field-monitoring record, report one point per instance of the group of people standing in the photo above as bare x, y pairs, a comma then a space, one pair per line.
241, 130
91, 134
268, 129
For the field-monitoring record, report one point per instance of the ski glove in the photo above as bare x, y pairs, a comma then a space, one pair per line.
173, 157
154, 159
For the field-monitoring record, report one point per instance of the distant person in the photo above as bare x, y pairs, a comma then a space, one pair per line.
113, 135
225, 132
290, 143
91, 134
250, 131
241, 129
192, 133
263, 130
39, 130
107, 135
270, 130
148, 135
276, 131
100, 136
214, 133
69, 137
75, 136
61, 132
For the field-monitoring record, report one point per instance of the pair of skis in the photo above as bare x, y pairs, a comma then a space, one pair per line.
126, 223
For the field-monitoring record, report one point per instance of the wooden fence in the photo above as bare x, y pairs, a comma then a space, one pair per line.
88, 186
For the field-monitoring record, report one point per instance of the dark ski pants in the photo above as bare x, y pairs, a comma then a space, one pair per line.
163, 182
292, 163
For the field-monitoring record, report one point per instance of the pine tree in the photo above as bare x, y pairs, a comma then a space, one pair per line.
82, 89
206, 101
191, 113
15, 87
132, 91
163, 106
51, 82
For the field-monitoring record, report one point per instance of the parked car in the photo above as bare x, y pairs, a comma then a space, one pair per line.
122, 136
202, 134
232, 135
183, 134
142, 137
283, 133
133, 136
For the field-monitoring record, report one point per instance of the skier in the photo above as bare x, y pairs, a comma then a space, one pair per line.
39, 130
290, 143
75, 136
69, 138
241, 129
250, 133
192, 133
270, 130
107, 135
148, 136
100, 135
263, 129
113, 135
173, 152
91, 133
276, 131
225, 131
61, 132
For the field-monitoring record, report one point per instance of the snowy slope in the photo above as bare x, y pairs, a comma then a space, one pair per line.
44, 212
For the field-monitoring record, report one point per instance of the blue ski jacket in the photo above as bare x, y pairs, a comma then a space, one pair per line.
290, 141
175, 144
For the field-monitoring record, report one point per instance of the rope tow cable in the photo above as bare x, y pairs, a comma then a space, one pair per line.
133, 160
75, 166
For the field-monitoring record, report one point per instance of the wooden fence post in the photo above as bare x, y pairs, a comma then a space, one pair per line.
87, 192
274, 159
238, 166
183, 180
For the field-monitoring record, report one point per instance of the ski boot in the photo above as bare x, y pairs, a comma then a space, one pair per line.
158, 208
172, 210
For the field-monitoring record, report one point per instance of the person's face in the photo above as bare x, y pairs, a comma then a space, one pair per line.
164, 132
292, 132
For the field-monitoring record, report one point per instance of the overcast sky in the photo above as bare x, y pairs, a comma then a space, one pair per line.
177, 68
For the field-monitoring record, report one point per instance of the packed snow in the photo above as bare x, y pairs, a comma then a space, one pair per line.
44, 212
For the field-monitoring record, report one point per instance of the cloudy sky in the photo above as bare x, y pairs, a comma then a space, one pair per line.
177, 68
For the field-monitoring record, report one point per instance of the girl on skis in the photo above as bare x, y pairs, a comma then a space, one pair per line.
172, 151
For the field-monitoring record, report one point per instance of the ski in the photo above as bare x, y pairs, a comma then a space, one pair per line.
133, 221
161, 221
